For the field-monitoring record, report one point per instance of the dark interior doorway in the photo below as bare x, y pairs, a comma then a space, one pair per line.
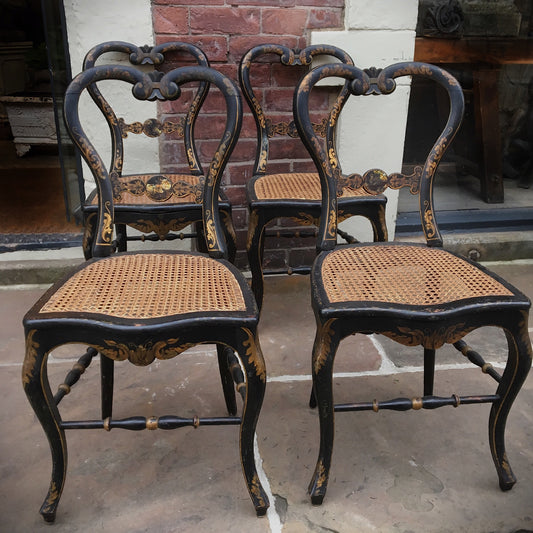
38, 165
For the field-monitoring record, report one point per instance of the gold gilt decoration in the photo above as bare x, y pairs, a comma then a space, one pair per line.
158, 188
429, 221
289, 128
306, 219
53, 495
255, 489
321, 474
88, 232
142, 354
107, 227
160, 228
324, 338
375, 181
252, 225
430, 337
332, 219
30, 358
210, 231
255, 357
151, 127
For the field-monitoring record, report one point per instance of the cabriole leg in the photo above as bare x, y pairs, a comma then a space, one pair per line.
325, 347
514, 375
37, 389
254, 366
227, 379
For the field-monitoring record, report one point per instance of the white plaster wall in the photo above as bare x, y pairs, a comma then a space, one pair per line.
95, 21
372, 129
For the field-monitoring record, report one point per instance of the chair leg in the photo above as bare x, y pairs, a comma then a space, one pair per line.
429, 371
107, 379
37, 389
325, 347
229, 234
227, 380
379, 224
514, 375
88, 235
255, 248
122, 238
253, 363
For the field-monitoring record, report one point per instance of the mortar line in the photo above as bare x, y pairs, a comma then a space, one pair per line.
274, 520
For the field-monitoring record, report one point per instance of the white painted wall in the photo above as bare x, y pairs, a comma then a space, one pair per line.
372, 130
90, 22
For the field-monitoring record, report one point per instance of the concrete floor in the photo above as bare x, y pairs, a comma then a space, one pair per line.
423, 471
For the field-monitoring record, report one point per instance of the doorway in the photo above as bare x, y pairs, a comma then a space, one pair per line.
38, 165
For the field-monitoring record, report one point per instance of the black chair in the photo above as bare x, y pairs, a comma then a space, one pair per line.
414, 294
295, 195
148, 305
159, 205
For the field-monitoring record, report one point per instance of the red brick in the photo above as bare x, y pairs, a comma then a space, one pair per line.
325, 18
239, 45
249, 129
240, 174
225, 20
188, 2
279, 99
266, 3
170, 19
320, 3
283, 148
279, 21
214, 46
236, 195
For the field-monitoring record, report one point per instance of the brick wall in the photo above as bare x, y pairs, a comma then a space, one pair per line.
225, 30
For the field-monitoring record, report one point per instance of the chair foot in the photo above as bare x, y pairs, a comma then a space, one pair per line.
261, 510
507, 484
49, 507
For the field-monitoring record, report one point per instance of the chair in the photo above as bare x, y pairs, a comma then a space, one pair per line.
146, 305
295, 195
157, 204
414, 294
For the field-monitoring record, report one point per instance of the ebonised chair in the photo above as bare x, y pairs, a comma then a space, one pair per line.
161, 204
417, 295
294, 195
143, 306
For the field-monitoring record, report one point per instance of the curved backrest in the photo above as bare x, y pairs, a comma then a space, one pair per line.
287, 57
375, 181
150, 86
155, 56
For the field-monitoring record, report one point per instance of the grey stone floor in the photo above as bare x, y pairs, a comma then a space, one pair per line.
424, 471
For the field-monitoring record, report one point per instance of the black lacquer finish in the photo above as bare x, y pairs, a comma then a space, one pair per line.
301, 211
163, 216
137, 333
405, 319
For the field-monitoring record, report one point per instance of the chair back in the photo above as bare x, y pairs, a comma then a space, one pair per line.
157, 57
376, 181
267, 127
162, 87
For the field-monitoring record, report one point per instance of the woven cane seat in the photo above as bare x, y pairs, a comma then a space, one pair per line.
143, 189
144, 286
295, 186
409, 275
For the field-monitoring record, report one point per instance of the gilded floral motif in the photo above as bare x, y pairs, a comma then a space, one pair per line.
142, 354
30, 357
255, 357
324, 337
